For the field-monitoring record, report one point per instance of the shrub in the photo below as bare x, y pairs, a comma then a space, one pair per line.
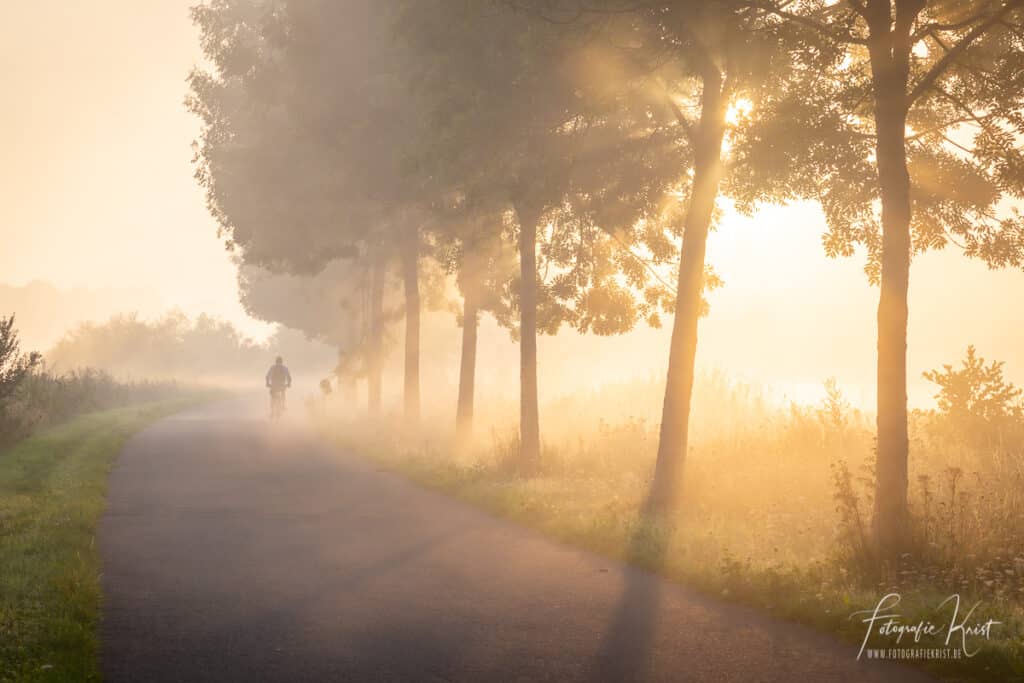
14, 365
32, 397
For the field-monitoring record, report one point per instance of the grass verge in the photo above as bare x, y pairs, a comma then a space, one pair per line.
52, 492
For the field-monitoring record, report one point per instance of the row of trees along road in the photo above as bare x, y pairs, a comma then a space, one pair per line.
592, 141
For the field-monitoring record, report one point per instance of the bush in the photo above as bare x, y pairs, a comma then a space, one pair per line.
32, 397
14, 365
967, 490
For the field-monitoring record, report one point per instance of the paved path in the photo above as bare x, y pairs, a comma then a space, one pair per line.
235, 550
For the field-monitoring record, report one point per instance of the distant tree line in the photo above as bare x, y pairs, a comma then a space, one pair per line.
127, 359
564, 161
203, 350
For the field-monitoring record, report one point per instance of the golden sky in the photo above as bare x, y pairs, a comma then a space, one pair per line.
97, 186
96, 190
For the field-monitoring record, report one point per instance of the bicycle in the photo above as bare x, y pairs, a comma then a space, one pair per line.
277, 403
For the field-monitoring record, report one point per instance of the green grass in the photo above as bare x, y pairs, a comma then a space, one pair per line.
52, 492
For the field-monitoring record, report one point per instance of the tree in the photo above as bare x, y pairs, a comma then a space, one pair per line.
301, 97
469, 245
14, 365
910, 124
976, 399
331, 307
697, 60
502, 97
512, 124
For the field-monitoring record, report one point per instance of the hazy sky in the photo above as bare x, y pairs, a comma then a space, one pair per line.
96, 190
96, 183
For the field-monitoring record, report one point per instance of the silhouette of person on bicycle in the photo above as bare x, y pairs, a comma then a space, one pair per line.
278, 381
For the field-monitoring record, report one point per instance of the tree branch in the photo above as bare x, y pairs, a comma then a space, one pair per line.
956, 26
974, 117
939, 127
939, 68
819, 26
681, 119
969, 152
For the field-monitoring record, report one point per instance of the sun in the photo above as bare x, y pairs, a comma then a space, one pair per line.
738, 110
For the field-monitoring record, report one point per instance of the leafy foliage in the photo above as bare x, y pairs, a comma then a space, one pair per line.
963, 125
517, 118
14, 366
977, 401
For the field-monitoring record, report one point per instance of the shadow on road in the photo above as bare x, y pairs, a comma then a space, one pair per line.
628, 647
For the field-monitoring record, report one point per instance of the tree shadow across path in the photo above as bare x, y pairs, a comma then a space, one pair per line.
627, 650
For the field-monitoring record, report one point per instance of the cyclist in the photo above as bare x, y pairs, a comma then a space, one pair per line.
278, 381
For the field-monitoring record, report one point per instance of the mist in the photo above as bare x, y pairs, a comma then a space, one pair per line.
730, 292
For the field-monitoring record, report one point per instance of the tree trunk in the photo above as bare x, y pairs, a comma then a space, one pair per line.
376, 341
529, 421
467, 368
411, 281
890, 75
675, 416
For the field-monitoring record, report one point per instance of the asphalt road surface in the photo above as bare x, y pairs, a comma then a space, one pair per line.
237, 550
